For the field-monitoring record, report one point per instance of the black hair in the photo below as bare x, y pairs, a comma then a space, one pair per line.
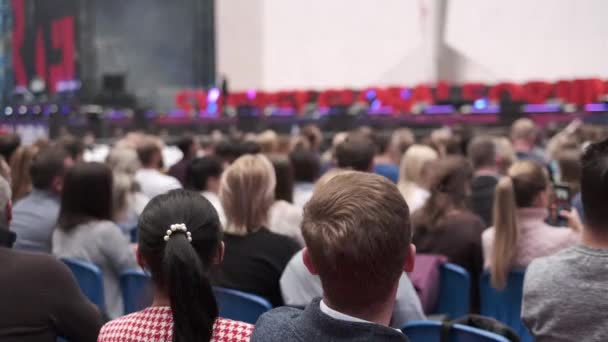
46, 165
184, 143
355, 152
306, 165
146, 152
284, 172
199, 170
381, 141
179, 267
8, 145
249, 147
73, 146
86, 195
594, 185
227, 150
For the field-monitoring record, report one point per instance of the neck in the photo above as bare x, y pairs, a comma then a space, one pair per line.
521, 146
594, 240
160, 298
486, 170
383, 159
379, 313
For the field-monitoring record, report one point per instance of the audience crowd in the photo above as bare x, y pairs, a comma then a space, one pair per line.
326, 228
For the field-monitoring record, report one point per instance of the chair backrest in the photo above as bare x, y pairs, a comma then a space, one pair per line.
454, 291
505, 305
133, 235
240, 306
89, 278
430, 331
136, 288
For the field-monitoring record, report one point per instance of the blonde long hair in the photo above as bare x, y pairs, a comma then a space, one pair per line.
519, 189
411, 169
247, 193
20, 163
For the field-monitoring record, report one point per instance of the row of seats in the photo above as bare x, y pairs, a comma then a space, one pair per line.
453, 301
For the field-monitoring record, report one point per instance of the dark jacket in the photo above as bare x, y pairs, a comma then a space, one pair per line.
482, 197
289, 324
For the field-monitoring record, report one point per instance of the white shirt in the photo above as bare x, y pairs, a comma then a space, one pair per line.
154, 183
214, 199
302, 192
341, 316
285, 219
417, 199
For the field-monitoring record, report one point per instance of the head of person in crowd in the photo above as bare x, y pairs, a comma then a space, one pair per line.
357, 228
21, 180
247, 193
382, 144
227, 150
74, 146
149, 152
526, 185
401, 140
189, 145
8, 145
248, 147
306, 166
314, 136
268, 141
482, 154
569, 163
78, 205
203, 174
48, 169
179, 262
123, 160
450, 188
594, 193
524, 135
356, 152
412, 175
6, 208
505, 154
122, 191
284, 172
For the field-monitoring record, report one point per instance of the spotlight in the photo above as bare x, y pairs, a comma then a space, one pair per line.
8, 111
22, 110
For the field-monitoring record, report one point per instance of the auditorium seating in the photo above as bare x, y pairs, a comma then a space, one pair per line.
240, 306
454, 291
136, 289
89, 278
505, 305
430, 331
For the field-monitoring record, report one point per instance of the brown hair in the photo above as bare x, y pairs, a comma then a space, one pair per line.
524, 181
21, 180
247, 193
357, 229
449, 190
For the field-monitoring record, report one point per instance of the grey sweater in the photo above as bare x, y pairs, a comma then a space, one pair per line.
102, 243
565, 296
288, 324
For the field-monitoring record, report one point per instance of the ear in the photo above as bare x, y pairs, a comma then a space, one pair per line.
410, 259
308, 262
140, 259
219, 256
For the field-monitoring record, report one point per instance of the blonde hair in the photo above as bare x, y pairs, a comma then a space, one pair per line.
123, 160
523, 129
411, 169
268, 141
505, 154
21, 180
524, 181
247, 193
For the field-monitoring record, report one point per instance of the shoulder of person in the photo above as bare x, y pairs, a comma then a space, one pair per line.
44, 266
274, 324
233, 331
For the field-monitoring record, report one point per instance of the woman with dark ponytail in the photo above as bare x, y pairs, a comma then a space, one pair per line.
179, 239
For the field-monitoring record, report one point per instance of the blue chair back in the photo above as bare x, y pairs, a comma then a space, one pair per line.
89, 278
240, 306
136, 288
430, 331
454, 291
133, 235
505, 305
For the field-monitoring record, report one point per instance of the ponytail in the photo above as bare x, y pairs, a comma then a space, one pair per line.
505, 232
192, 301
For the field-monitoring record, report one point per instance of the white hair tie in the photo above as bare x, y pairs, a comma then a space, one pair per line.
178, 227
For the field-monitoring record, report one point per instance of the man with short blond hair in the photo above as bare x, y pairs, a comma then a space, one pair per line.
358, 240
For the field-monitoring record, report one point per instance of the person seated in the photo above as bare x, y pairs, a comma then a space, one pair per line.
520, 234
40, 298
413, 180
152, 181
483, 156
383, 161
180, 237
445, 226
255, 257
357, 233
35, 215
307, 169
356, 152
20, 164
203, 176
564, 295
285, 217
189, 146
85, 230
524, 135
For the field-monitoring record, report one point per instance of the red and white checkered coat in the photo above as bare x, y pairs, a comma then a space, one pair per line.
155, 324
